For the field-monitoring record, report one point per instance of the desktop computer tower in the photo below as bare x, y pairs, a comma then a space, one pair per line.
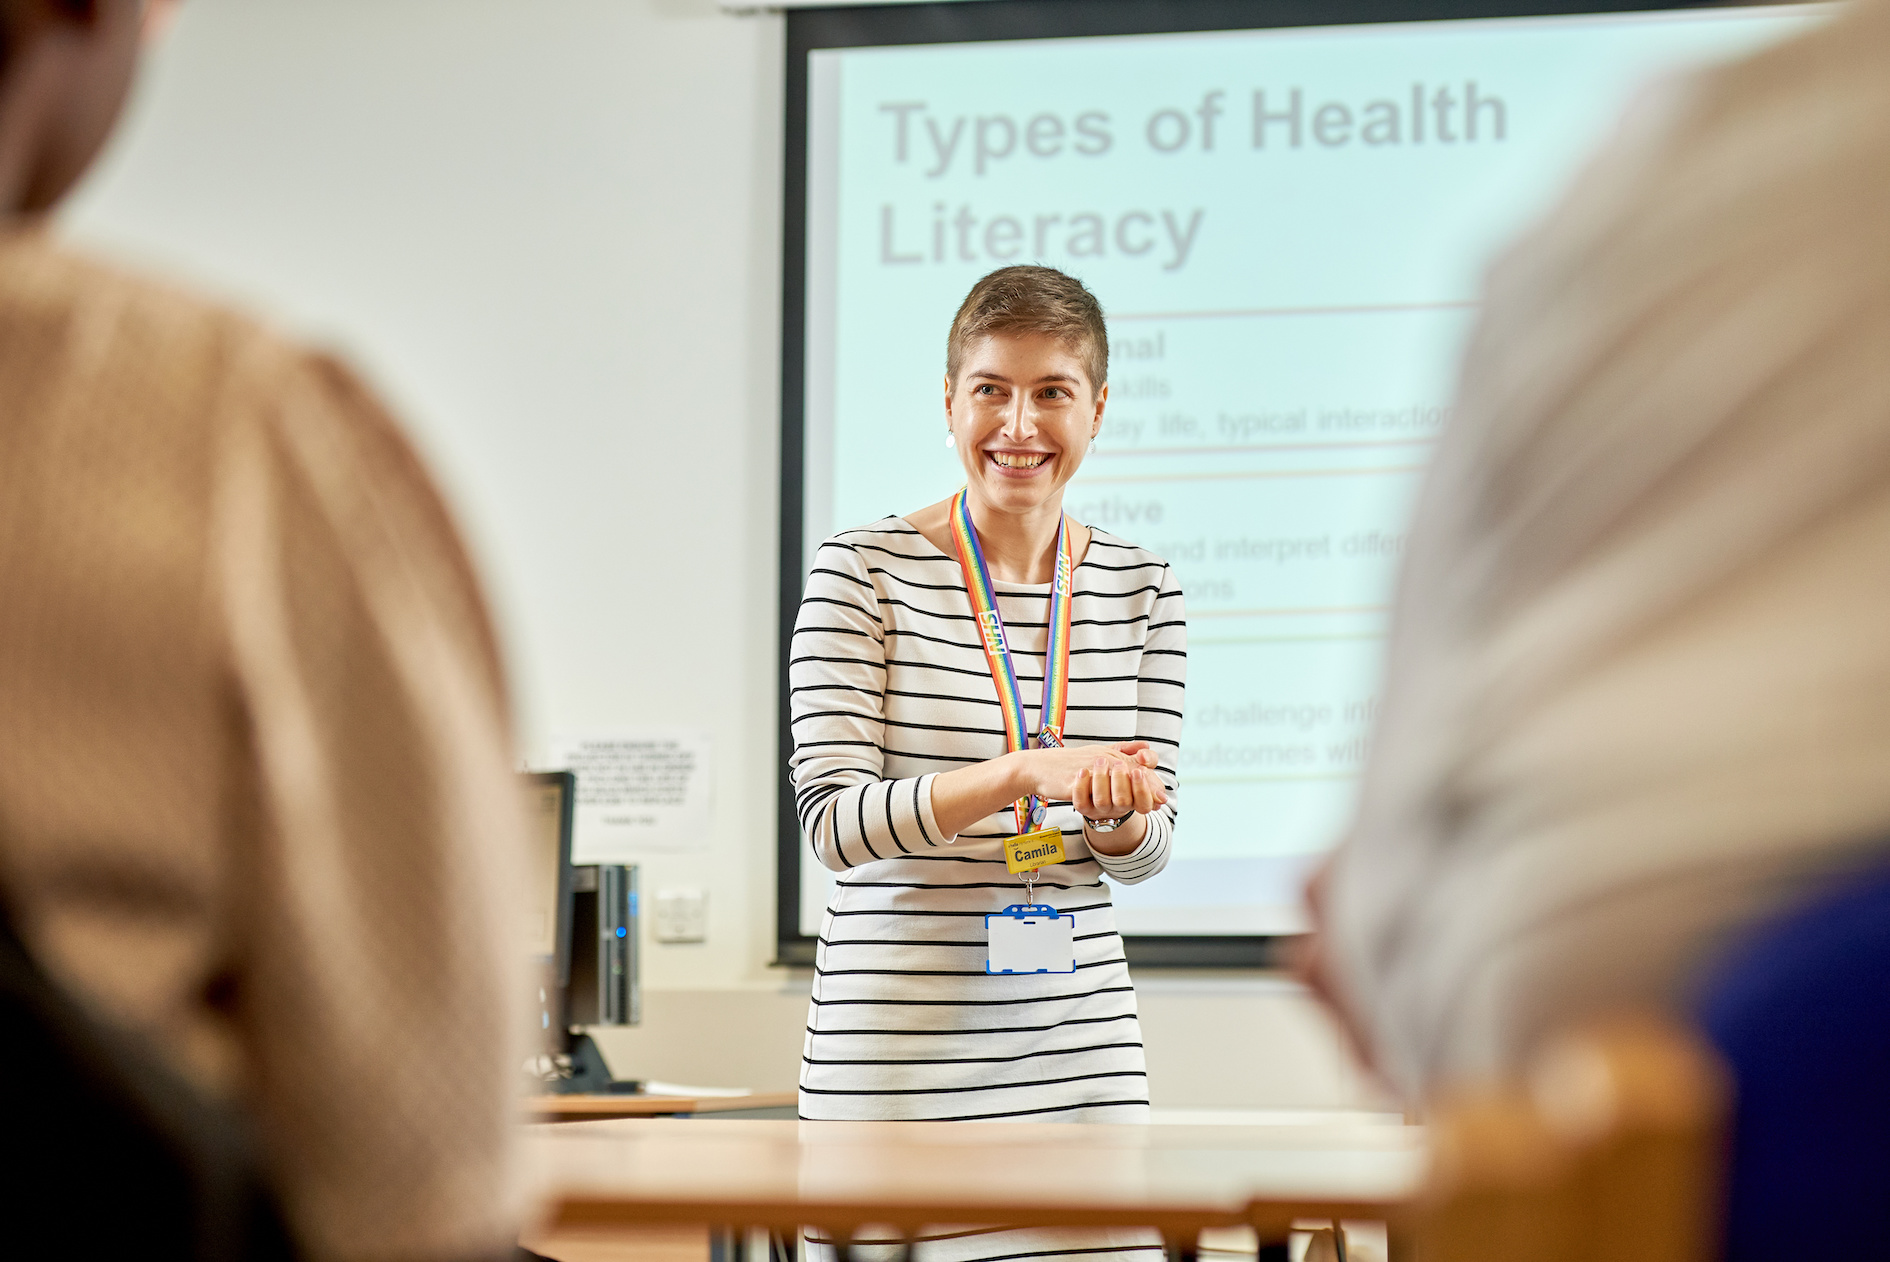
582, 934
605, 986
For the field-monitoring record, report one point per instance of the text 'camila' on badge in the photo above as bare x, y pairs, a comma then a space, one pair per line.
1033, 850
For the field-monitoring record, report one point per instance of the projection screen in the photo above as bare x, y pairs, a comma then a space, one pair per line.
1286, 227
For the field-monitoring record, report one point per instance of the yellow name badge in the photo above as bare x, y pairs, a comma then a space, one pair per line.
1033, 850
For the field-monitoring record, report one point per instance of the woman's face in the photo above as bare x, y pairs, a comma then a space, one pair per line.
1022, 414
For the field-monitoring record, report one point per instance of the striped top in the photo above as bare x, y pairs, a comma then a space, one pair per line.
889, 687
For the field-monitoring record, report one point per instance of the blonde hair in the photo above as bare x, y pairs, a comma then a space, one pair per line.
1030, 299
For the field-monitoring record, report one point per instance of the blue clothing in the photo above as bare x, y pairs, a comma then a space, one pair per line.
1801, 1013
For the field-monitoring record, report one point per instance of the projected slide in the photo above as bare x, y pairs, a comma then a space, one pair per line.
1287, 229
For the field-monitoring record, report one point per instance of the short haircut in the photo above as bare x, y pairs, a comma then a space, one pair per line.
1028, 299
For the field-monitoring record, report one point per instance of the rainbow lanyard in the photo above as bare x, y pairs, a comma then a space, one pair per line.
997, 651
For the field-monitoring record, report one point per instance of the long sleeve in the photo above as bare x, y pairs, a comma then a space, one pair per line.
849, 813
1159, 690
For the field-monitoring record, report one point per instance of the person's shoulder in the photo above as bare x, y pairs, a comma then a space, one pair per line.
1822, 63
1114, 555
96, 326
47, 283
102, 352
207, 376
1669, 195
891, 540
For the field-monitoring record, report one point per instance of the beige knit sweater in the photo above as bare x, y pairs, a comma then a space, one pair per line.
255, 799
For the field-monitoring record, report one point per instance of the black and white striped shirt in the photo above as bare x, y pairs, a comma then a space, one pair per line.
889, 688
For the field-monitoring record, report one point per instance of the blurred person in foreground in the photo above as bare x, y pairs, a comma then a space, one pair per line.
255, 798
1638, 694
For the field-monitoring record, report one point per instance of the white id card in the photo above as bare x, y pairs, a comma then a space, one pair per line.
1029, 938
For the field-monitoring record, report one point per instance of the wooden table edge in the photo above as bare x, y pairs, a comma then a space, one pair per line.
1270, 1217
608, 1108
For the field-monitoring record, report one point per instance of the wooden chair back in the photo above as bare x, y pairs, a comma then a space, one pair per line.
1610, 1150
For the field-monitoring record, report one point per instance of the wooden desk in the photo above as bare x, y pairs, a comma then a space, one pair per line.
596, 1176
591, 1108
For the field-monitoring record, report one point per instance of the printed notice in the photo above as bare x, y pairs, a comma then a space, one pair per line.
637, 792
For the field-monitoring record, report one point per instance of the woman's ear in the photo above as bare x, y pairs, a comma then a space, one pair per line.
948, 399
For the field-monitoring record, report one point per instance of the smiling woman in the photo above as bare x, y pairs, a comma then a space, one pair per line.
986, 700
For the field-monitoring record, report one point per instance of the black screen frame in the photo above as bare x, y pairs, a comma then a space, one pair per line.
972, 21
565, 782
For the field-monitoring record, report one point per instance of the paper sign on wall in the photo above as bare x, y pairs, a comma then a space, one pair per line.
637, 792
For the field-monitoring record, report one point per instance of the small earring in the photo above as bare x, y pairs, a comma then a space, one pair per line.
1092, 442
951, 440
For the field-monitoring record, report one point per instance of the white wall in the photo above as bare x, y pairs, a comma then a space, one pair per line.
549, 231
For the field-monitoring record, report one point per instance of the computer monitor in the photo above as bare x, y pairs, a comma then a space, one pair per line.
581, 931
550, 913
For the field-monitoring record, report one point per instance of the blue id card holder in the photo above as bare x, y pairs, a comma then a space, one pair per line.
1029, 938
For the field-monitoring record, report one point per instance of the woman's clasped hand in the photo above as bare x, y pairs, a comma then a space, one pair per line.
1102, 781
1112, 788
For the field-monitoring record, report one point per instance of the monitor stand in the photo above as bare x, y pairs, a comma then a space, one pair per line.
590, 1075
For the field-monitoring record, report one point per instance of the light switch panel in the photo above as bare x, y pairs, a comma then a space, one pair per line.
682, 915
